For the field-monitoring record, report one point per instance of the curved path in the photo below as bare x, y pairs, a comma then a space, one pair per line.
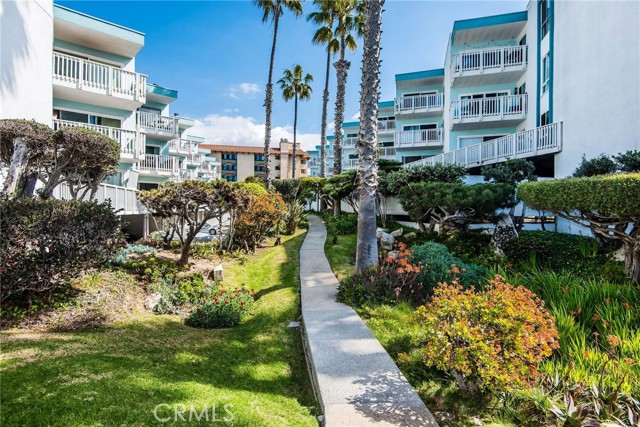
355, 379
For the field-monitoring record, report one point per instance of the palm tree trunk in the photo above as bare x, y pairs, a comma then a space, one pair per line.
268, 101
367, 245
295, 128
323, 126
342, 68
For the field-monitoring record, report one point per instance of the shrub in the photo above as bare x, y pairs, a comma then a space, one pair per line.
339, 225
393, 182
46, 243
204, 250
178, 292
138, 249
600, 165
628, 161
393, 279
439, 266
263, 214
221, 309
491, 340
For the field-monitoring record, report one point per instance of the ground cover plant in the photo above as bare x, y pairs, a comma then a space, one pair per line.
91, 377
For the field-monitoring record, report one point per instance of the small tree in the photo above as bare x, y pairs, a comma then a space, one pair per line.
82, 158
189, 205
392, 183
262, 214
454, 206
609, 205
291, 192
628, 161
23, 145
600, 165
339, 188
512, 172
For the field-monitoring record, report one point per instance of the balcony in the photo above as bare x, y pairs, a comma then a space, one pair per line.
124, 200
529, 143
387, 153
131, 142
208, 171
350, 142
182, 147
350, 163
419, 138
423, 105
506, 110
480, 67
157, 125
386, 126
156, 165
83, 80
195, 159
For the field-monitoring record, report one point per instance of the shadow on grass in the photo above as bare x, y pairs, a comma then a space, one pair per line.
118, 375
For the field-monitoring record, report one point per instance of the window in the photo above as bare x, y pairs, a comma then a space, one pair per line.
149, 149
352, 135
473, 140
544, 17
74, 116
303, 161
544, 119
303, 171
146, 186
259, 157
258, 168
545, 73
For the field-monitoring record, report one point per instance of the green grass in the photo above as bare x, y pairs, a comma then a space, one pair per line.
116, 376
341, 255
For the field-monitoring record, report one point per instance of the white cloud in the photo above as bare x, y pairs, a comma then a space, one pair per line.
231, 110
246, 131
244, 90
356, 117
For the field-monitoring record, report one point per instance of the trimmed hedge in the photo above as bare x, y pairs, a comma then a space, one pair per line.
617, 195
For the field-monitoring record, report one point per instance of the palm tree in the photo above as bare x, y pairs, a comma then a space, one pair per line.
324, 17
273, 9
349, 25
297, 86
367, 178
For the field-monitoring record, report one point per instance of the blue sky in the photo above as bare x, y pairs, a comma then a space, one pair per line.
216, 54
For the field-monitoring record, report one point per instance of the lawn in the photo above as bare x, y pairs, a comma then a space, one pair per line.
117, 375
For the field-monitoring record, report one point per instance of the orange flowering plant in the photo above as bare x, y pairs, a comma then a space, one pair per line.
488, 340
221, 308
395, 278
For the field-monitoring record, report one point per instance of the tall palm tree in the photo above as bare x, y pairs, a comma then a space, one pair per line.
367, 178
349, 19
324, 18
297, 86
273, 9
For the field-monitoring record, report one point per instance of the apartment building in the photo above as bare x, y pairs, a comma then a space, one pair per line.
64, 68
550, 84
240, 162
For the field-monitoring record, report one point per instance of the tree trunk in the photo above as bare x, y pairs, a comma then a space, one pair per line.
17, 167
367, 246
632, 260
337, 207
323, 126
268, 101
184, 254
295, 129
342, 68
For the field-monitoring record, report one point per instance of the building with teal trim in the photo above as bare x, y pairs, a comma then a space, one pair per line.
83, 72
551, 83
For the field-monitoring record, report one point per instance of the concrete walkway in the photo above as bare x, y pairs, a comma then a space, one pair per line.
355, 379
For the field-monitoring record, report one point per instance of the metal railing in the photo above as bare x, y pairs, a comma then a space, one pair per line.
423, 137
498, 59
386, 125
419, 103
123, 199
159, 165
182, 146
131, 142
196, 159
85, 73
387, 152
494, 108
350, 163
528, 143
157, 124
350, 142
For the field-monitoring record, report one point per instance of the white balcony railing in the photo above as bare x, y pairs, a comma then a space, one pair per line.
489, 109
159, 165
479, 61
533, 142
416, 138
350, 142
196, 159
350, 163
386, 126
87, 74
387, 152
420, 103
131, 142
157, 124
124, 200
182, 146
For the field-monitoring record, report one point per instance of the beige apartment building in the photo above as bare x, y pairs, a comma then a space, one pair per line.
239, 162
